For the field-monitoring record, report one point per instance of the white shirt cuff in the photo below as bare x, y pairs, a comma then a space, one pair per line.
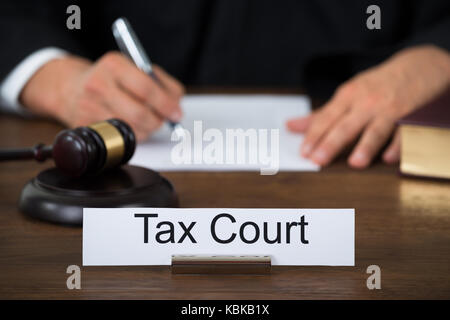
15, 81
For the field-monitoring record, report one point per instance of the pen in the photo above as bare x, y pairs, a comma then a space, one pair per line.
130, 45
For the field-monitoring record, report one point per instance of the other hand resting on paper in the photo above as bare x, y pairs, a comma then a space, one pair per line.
369, 104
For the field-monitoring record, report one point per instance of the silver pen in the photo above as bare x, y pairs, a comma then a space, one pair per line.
130, 46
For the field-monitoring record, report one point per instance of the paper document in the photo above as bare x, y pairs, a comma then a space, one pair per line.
230, 133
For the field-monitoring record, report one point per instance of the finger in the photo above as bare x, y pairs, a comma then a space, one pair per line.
392, 153
374, 137
141, 135
170, 83
87, 112
100, 114
126, 107
343, 132
146, 89
321, 123
299, 124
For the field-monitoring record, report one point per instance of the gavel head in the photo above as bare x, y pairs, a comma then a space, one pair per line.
90, 150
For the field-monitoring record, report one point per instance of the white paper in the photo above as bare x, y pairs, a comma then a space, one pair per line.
231, 112
114, 236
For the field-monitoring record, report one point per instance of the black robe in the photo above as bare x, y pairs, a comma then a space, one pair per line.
315, 44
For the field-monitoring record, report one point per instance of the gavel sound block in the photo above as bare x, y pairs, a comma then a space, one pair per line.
88, 173
55, 197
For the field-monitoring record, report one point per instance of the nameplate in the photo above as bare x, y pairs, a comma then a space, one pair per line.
151, 236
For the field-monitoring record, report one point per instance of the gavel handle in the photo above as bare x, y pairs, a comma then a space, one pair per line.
39, 152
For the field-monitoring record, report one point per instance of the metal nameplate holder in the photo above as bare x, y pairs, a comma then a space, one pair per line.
220, 264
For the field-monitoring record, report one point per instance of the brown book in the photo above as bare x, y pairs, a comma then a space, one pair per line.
425, 140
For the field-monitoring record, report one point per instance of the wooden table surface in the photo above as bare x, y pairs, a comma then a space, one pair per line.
402, 225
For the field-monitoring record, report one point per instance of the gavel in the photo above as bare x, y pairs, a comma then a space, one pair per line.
85, 150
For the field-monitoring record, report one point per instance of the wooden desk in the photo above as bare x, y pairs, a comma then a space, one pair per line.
402, 225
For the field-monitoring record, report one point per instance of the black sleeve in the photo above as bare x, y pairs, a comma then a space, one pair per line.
431, 24
27, 26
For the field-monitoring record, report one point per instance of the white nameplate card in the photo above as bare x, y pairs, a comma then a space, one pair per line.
150, 236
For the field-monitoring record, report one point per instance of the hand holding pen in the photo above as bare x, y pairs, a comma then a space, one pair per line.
78, 92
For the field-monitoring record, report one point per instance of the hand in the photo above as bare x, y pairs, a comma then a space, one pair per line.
78, 92
369, 105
